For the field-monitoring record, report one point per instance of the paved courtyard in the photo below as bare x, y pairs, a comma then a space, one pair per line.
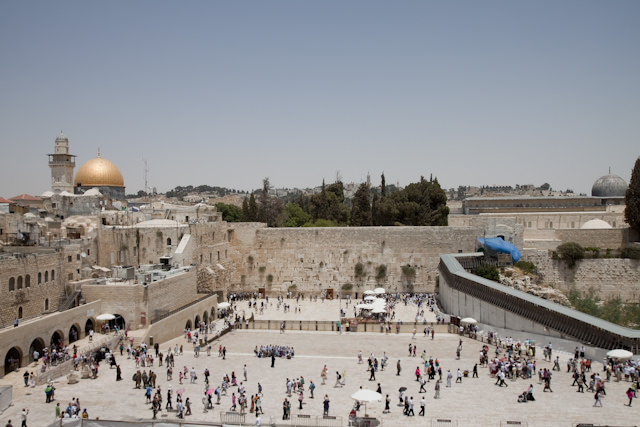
474, 402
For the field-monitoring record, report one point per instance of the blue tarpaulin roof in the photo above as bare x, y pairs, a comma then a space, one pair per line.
499, 245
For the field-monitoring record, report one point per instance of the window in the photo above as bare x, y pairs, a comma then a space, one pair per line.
46, 304
19, 312
69, 258
218, 255
53, 275
168, 241
12, 284
27, 281
70, 276
39, 278
19, 282
88, 252
77, 257
46, 276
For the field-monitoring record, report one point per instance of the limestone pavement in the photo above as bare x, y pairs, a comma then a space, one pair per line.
474, 402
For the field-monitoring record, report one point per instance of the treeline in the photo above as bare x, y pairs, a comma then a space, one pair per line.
419, 204
180, 192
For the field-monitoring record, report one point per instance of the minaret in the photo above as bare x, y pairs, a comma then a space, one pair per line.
62, 164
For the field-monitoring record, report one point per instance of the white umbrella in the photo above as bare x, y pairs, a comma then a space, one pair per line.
366, 395
379, 310
369, 292
620, 354
468, 321
379, 291
369, 298
224, 305
106, 316
365, 306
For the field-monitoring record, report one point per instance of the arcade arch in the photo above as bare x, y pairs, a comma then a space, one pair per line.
74, 333
13, 360
88, 326
57, 338
36, 345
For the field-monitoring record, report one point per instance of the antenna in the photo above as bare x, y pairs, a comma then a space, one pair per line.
146, 174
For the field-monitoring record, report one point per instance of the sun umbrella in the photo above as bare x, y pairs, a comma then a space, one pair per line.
620, 354
211, 391
365, 306
379, 310
369, 292
379, 291
106, 316
366, 395
468, 321
369, 298
180, 391
224, 305
401, 389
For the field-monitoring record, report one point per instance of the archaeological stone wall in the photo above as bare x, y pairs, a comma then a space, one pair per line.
609, 277
321, 259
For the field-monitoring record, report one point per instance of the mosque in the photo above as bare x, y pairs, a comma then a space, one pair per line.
97, 174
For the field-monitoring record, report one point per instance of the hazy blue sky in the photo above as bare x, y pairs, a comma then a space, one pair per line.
227, 93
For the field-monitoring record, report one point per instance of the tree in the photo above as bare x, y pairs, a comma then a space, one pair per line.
488, 271
230, 213
251, 211
360, 208
296, 217
632, 198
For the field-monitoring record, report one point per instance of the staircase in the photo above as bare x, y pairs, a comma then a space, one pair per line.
67, 302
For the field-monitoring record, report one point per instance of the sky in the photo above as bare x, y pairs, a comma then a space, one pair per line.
227, 93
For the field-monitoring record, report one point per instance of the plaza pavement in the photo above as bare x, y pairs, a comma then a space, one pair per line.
474, 402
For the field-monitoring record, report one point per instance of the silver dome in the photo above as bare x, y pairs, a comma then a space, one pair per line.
609, 186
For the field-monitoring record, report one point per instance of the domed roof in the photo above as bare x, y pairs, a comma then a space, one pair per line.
609, 186
62, 137
99, 172
595, 224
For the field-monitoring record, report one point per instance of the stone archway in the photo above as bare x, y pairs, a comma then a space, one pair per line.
119, 322
57, 338
196, 322
188, 325
88, 326
13, 360
74, 333
205, 317
36, 345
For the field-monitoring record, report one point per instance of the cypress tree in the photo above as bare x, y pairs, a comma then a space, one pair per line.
632, 198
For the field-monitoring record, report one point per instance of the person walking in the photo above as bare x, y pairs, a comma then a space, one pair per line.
398, 367
300, 399
423, 405
23, 417
325, 405
598, 400
372, 377
630, 395
437, 389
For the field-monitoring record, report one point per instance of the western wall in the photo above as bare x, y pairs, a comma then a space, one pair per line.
319, 260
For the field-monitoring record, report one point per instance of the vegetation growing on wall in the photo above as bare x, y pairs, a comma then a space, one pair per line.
571, 253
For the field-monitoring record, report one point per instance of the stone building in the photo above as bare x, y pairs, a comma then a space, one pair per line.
62, 164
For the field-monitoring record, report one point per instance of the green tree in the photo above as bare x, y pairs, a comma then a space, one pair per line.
360, 207
252, 210
632, 198
381, 272
296, 217
488, 271
230, 213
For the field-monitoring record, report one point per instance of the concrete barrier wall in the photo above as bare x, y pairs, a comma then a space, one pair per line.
173, 326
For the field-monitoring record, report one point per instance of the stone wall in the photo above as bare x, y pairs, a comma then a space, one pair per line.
38, 279
139, 304
609, 277
318, 259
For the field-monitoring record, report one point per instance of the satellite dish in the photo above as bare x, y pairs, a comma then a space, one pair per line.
83, 254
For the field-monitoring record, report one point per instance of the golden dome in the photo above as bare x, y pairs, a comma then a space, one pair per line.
98, 172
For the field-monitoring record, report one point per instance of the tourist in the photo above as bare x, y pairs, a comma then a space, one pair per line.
325, 405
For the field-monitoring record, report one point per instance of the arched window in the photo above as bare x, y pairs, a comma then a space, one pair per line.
168, 241
19, 282
46, 304
46, 276
27, 281
19, 312
12, 283
39, 278
53, 275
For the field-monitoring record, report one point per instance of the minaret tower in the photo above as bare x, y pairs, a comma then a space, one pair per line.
62, 164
